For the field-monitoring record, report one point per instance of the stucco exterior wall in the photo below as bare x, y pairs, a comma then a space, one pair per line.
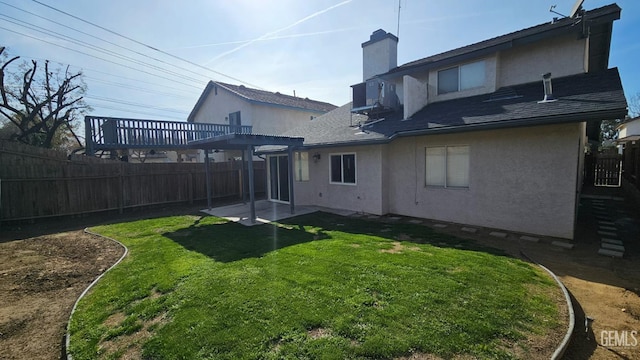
561, 56
490, 69
265, 119
272, 120
629, 128
520, 180
364, 196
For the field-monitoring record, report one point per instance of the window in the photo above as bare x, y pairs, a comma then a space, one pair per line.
301, 164
234, 121
343, 169
462, 77
447, 166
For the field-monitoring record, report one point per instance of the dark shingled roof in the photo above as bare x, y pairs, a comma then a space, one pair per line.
583, 97
562, 26
264, 97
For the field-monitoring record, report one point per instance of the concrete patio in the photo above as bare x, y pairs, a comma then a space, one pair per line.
266, 212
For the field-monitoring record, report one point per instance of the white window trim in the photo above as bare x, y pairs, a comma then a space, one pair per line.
355, 164
445, 168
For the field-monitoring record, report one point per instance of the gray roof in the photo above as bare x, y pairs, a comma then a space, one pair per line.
597, 20
263, 97
583, 97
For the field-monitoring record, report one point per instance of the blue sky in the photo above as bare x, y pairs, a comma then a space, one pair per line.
310, 47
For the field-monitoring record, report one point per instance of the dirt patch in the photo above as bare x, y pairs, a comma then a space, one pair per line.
317, 333
40, 279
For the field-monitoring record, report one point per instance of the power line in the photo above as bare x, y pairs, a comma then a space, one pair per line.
101, 39
145, 45
97, 57
94, 47
131, 103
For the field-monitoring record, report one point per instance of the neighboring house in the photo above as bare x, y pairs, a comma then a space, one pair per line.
467, 136
629, 143
266, 112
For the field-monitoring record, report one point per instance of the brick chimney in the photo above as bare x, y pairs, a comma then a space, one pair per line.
379, 54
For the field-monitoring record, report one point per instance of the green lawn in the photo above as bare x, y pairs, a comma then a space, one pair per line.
315, 286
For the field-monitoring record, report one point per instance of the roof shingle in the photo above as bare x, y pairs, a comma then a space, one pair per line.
582, 97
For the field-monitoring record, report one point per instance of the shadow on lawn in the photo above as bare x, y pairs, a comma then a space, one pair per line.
227, 241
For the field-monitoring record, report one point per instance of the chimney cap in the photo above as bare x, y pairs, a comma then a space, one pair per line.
379, 35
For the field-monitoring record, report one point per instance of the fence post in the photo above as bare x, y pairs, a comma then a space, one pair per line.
121, 189
190, 186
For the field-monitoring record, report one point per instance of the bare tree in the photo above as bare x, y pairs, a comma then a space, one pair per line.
634, 106
40, 107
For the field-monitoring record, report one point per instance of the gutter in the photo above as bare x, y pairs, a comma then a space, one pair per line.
497, 125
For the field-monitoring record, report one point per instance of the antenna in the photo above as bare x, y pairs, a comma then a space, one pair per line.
399, 7
576, 8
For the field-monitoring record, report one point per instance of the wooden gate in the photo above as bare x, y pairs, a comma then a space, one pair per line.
606, 169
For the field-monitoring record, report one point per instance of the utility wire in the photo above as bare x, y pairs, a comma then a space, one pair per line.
104, 40
94, 47
97, 57
145, 45
131, 103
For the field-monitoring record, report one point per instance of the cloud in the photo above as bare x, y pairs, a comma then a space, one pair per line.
273, 33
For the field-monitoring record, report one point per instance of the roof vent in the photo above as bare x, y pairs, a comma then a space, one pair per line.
548, 89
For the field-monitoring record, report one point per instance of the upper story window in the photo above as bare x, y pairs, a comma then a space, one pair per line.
463, 77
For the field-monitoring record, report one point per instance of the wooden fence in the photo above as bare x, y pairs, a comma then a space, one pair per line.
36, 183
603, 169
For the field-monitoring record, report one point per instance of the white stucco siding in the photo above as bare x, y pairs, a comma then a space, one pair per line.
216, 108
629, 128
562, 56
364, 196
273, 120
521, 180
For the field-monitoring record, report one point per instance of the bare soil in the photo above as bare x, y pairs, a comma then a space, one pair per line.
40, 279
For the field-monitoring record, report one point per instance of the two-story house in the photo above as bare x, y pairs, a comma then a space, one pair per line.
492, 134
266, 112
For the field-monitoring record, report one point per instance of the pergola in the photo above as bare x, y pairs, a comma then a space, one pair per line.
105, 133
246, 143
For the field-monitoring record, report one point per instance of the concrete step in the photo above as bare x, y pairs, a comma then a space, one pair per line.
498, 234
607, 252
529, 238
612, 241
607, 233
607, 228
612, 247
562, 244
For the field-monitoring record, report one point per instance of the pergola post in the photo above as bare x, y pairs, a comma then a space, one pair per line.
291, 159
88, 137
252, 197
243, 177
208, 177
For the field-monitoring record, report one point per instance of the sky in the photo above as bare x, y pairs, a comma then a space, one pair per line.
151, 59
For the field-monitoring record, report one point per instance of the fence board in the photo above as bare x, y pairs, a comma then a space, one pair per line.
37, 183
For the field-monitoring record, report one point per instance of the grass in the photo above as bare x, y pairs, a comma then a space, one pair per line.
315, 286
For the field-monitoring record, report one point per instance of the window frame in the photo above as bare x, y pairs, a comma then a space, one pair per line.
355, 169
446, 167
299, 164
459, 72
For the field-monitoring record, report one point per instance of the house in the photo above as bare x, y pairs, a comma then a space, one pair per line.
492, 134
629, 143
266, 112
